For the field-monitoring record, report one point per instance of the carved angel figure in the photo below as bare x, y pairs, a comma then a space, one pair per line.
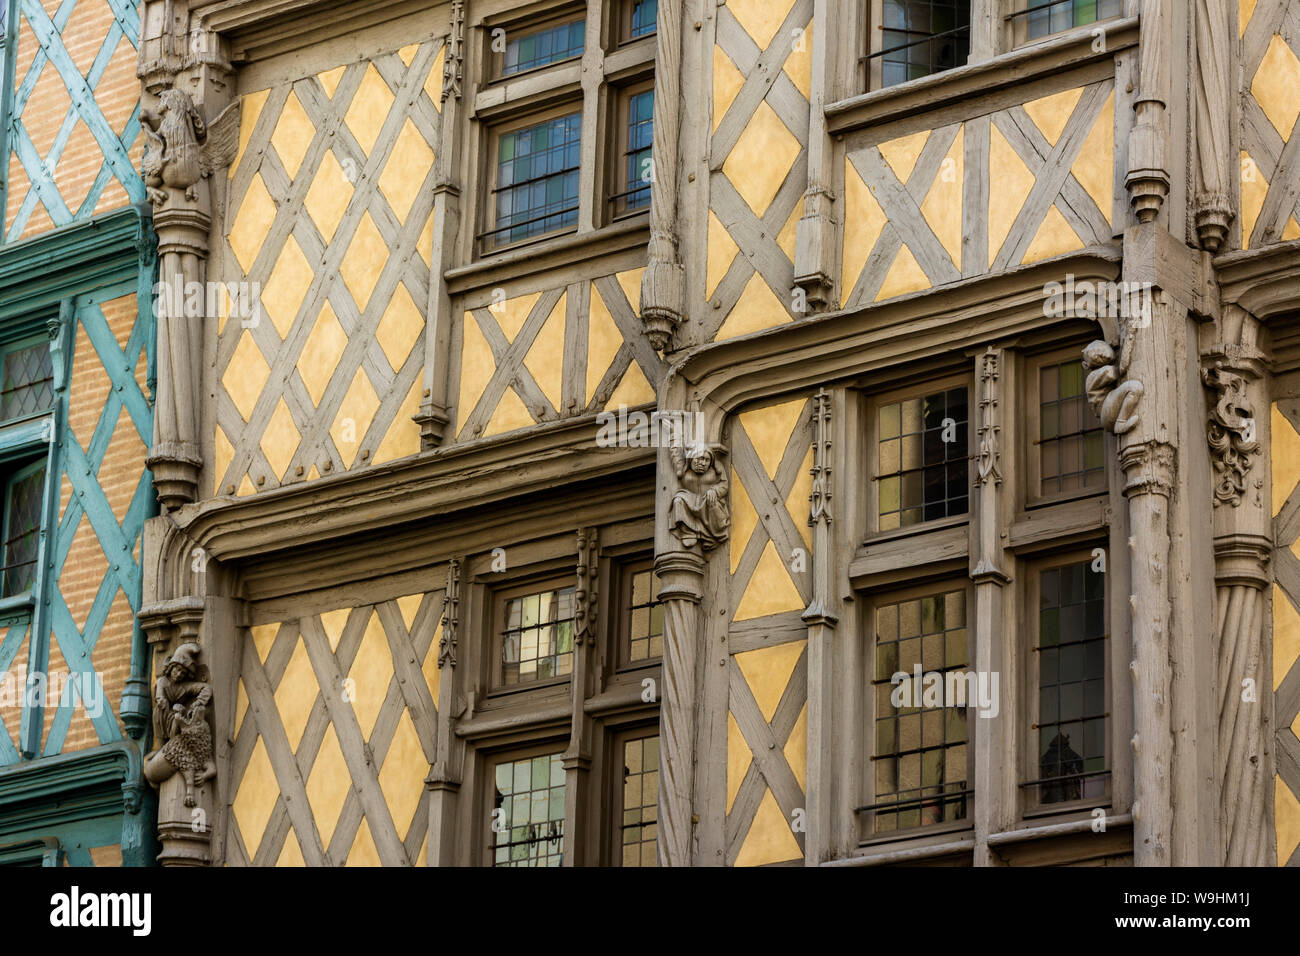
182, 147
180, 723
698, 513
1112, 396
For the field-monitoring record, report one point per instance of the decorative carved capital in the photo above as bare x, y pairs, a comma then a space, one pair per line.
175, 466
179, 619
1149, 468
433, 421
183, 150
450, 616
1230, 430
1147, 180
681, 576
1243, 559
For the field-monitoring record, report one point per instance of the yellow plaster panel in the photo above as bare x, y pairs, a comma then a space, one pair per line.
365, 117
1245, 10
296, 694
241, 707
293, 135
760, 18
630, 283
1008, 190
291, 852
329, 80
365, 261
904, 276
328, 197
328, 785
1292, 230
757, 309
433, 82
1286, 816
287, 286
761, 158
409, 606
400, 327
1286, 636
476, 367
263, 637
321, 353
739, 758
255, 798
1054, 238
280, 440
796, 749
797, 502
252, 222
1275, 86
432, 673
901, 154
545, 358
372, 670
787, 238
1095, 167
1254, 190
406, 170
603, 342
942, 206
634, 389
511, 413
355, 414
403, 437
1051, 113
767, 671
513, 313
727, 83
223, 454
363, 852
744, 519
403, 773
769, 430
250, 108
245, 487
245, 375
798, 65
333, 623
1284, 456
770, 589
722, 252
770, 839
863, 221
407, 53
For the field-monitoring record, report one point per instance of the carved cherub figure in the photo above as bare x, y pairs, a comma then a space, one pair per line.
1112, 396
182, 147
698, 513
181, 729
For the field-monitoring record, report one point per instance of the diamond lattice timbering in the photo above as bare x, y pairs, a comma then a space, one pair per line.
1284, 453
1270, 71
75, 142
322, 777
328, 218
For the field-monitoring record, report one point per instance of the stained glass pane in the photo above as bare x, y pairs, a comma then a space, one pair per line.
644, 13
527, 822
552, 45
647, 618
922, 471
537, 642
640, 795
537, 179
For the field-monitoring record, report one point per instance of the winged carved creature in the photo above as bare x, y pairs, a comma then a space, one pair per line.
182, 147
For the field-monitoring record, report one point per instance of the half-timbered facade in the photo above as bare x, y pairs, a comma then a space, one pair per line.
959, 535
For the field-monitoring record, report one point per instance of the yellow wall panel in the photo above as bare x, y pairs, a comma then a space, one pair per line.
1254, 189
1095, 167
545, 358
286, 287
1286, 636
1286, 816
354, 417
739, 757
757, 309
942, 206
744, 519
246, 375
1051, 113
369, 108
727, 83
477, 364
255, 797
321, 353
901, 154
400, 327
280, 440
905, 275
406, 170
293, 135
770, 839
403, 773
767, 671
1275, 84
722, 251
328, 786
863, 222
1055, 237
297, 693
757, 165
365, 260
1008, 190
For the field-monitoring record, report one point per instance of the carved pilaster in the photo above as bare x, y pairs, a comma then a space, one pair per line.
989, 468
450, 616
663, 287
1147, 179
584, 595
1213, 203
1231, 429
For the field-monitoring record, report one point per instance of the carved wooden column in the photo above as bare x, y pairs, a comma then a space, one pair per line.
663, 287
992, 772
1147, 180
444, 779
821, 619
577, 758
816, 235
1234, 374
1213, 203
182, 152
434, 413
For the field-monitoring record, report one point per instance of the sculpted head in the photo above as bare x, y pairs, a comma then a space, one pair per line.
1097, 354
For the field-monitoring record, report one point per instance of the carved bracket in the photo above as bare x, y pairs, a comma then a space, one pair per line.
1231, 429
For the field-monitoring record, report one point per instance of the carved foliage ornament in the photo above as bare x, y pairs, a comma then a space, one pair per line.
450, 616
820, 499
990, 454
1231, 433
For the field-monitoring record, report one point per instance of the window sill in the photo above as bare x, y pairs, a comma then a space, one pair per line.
943, 543
1059, 523
1046, 830
885, 854
1043, 58
547, 254
17, 604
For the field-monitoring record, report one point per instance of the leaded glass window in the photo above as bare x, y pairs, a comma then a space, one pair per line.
554, 44
537, 641
646, 615
26, 381
528, 812
536, 188
1071, 730
1070, 435
1045, 17
639, 829
919, 768
922, 469
24, 493
637, 168
644, 13
920, 37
